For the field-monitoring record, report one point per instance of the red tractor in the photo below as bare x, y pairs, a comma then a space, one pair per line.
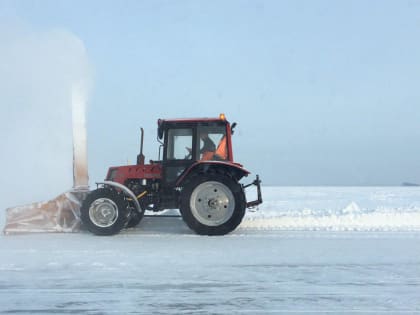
196, 175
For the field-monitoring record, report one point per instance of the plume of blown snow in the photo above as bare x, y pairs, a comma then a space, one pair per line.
80, 160
38, 71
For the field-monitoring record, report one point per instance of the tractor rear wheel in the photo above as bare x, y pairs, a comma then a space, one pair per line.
104, 212
212, 204
135, 217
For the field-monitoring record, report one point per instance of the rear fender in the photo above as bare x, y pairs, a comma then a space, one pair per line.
234, 169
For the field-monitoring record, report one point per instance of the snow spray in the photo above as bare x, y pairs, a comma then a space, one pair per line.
44, 93
80, 163
61, 214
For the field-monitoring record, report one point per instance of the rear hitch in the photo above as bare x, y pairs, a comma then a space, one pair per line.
256, 182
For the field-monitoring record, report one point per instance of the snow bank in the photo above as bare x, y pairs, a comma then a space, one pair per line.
2, 218
337, 209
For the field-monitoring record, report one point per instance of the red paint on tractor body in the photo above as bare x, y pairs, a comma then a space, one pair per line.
120, 174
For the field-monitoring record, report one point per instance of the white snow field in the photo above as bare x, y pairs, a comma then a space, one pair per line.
336, 250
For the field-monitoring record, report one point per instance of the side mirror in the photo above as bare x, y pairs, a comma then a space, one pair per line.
232, 127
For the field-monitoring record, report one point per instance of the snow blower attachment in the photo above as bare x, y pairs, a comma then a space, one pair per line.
58, 215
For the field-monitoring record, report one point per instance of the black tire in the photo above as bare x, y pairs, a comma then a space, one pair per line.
212, 204
104, 212
135, 218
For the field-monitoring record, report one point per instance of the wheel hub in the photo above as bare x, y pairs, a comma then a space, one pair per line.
103, 212
212, 203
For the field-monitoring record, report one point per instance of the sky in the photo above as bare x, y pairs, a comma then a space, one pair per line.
324, 92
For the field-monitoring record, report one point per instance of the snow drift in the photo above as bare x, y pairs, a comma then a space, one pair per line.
337, 209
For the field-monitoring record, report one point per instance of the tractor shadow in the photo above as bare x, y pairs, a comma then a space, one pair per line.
160, 224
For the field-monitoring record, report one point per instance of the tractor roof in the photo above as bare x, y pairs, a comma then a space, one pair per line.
221, 118
163, 123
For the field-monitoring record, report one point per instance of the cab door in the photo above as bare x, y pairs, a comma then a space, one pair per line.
179, 152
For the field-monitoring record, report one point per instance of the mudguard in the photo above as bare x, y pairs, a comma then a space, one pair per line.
235, 169
126, 191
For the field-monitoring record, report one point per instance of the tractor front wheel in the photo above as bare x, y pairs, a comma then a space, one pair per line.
104, 211
212, 204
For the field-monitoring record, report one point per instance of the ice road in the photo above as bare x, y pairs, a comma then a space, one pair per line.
161, 267
181, 273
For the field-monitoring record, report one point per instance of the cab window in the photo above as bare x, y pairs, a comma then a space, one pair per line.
212, 143
178, 142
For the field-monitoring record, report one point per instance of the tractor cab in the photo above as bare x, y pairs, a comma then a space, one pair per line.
188, 141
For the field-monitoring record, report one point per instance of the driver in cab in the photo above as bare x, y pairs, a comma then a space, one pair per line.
207, 147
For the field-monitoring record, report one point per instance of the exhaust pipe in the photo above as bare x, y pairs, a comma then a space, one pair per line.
140, 156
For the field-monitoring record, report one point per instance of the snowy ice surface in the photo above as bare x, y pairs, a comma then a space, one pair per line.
338, 209
161, 267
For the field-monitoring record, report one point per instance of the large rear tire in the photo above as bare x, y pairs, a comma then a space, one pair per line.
104, 212
212, 204
135, 217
